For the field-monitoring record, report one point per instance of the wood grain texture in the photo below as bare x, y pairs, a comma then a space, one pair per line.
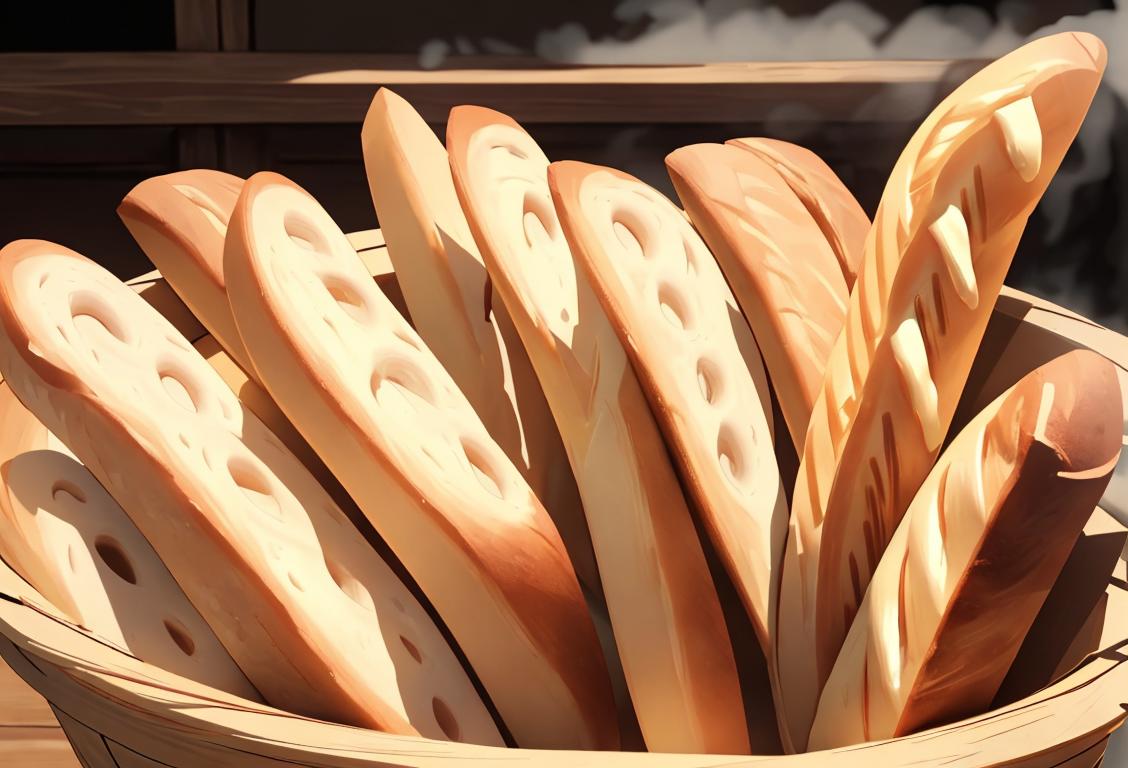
197, 25
235, 25
197, 29
30, 736
245, 87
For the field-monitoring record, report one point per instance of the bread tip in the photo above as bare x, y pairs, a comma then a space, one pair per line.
566, 175
682, 160
465, 119
381, 101
1090, 431
1093, 46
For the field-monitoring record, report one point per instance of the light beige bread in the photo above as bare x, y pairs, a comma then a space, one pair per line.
695, 357
318, 623
70, 540
951, 216
842, 220
440, 271
664, 610
977, 552
777, 260
387, 418
258, 402
180, 221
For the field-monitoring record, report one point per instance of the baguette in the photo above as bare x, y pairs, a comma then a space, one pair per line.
69, 539
842, 220
180, 221
951, 216
369, 396
978, 550
665, 614
447, 290
319, 624
695, 357
777, 260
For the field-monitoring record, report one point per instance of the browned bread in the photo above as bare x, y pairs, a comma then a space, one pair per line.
318, 623
694, 355
447, 290
180, 220
667, 620
387, 418
777, 260
975, 556
70, 540
953, 211
838, 214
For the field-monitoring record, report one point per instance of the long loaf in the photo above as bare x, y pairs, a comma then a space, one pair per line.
951, 216
842, 220
665, 613
67, 537
975, 556
444, 282
180, 221
781, 268
319, 624
363, 388
694, 355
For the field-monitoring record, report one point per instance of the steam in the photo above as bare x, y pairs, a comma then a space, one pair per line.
698, 31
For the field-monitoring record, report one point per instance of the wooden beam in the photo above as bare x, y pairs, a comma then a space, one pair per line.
234, 25
232, 88
197, 29
240, 146
197, 25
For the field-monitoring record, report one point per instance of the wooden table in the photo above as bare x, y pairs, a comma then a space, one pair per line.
30, 737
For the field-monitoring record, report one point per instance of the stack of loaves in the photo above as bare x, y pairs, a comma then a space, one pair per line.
511, 518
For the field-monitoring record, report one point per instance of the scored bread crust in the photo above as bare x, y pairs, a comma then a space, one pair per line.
445, 284
978, 551
665, 614
695, 357
835, 209
365, 391
70, 540
951, 216
180, 221
317, 622
778, 262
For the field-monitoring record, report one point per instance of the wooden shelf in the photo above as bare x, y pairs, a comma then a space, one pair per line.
185, 88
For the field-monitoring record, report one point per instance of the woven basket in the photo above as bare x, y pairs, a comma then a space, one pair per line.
120, 712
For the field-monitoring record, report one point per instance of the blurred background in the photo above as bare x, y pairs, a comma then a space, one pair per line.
95, 97
87, 110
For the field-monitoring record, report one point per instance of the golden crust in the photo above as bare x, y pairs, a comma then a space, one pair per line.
833, 207
975, 556
951, 216
668, 622
777, 260
263, 558
180, 221
491, 561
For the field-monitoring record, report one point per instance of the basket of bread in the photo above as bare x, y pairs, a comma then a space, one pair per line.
554, 469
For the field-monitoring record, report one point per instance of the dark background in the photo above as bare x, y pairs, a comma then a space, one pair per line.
63, 183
